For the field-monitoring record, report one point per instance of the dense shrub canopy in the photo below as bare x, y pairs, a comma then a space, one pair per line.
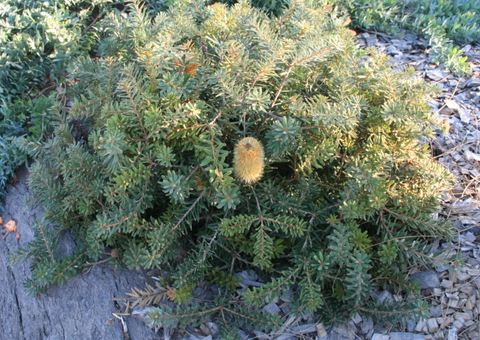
142, 162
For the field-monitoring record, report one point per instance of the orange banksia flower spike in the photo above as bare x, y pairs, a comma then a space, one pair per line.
248, 160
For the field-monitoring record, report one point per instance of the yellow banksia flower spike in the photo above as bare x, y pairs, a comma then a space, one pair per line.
248, 160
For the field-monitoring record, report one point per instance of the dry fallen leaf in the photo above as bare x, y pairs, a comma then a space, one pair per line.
1, 220
352, 32
11, 226
18, 236
114, 253
190, 68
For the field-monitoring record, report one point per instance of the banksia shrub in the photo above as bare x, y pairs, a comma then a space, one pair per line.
340, 201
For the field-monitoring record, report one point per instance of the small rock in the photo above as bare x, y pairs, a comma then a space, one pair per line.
385, 297
201, 294
446, 284
473, 334
213, 327
420, 325
411, 38
205, 329
398, 297
436, 311
452, 334
366, 325
453, 302
247, 275
436, 75
304, 329
473, 83
464, 316
465, 115
432, 325
446, 111
447, 322
468, 236
198, 291
286, 337
272, 308
410, 325
428, 279
391, 50
242, 334
406, 336
433, 104
452, 105
261, 336
371, 40
248, 278
321, 332
449, 311
461, 276
473, 272
357, 319
344, 331
335, 336
470, 305
458, 324
215, 290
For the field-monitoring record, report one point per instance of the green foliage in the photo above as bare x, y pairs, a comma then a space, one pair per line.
38, 40
381, 15
272, 7
195, 314
458, 19
46, 265
439, 21
142, 161
223, 279
181, 295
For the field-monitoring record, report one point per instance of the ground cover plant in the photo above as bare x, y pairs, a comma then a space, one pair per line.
442, 22
38, 40
211, 139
